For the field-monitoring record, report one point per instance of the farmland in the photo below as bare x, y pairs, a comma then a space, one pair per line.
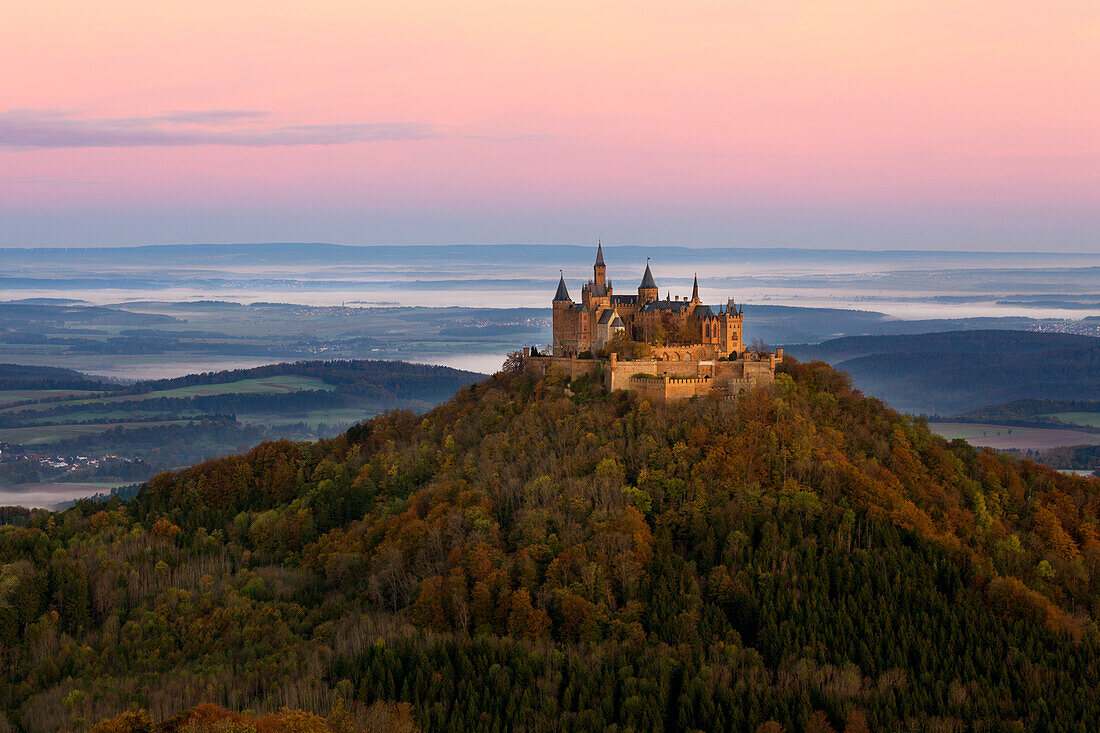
279, 384
127, 433
40, 434
51, 495
1010, 437
1091, 419
13, 396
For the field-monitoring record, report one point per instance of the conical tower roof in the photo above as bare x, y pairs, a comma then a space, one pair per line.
695, 288
563, 292
599, 255
647, 279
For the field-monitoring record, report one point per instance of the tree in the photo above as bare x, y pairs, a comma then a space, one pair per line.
514, 363
627, 348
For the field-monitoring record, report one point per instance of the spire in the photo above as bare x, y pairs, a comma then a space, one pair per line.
648, 282
563, 292
695, 288
599, 271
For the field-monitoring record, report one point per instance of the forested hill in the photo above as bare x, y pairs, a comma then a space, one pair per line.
425, 383
541, 555
957, 371
22, 377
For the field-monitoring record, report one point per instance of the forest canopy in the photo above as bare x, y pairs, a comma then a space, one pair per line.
532, 556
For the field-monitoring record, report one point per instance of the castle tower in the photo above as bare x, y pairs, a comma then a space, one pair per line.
695, 290
564, 328
599, 269
732, 322
647, 290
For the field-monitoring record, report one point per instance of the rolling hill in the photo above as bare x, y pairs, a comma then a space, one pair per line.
958, 371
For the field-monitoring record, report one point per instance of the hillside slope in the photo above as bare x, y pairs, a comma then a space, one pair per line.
956, 371
535, 557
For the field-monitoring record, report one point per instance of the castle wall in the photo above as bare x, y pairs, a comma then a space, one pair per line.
692, 352
663, 381
570, 366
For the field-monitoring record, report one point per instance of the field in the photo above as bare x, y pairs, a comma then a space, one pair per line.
50, 494
1092, 419
312, 418
279, 384
187, 421
39, 434
11, 396
1009, 437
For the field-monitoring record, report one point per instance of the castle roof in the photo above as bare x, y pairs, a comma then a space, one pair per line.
607, 316
703, 311
664, 305
563, 292
624, 299
618, 322
599, 255
647, 280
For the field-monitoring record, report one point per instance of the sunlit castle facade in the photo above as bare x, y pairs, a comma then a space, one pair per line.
588, 325
669, 349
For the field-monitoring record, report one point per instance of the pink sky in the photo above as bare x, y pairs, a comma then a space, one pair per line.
743, 122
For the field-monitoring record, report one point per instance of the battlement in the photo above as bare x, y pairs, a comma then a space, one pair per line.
670, 380
665, 380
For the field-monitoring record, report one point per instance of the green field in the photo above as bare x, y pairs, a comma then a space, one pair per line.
38, 434
10, 396
312, 418
129, 413
267, 385
281, 384
1091, 419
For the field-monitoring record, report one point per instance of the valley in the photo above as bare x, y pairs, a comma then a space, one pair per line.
55, 441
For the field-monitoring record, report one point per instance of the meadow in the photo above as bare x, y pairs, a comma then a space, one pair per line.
153, 426
54, 418
13, 396
1011, 437
1091, 419
42, 434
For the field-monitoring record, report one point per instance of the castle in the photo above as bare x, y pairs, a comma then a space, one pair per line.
666, 349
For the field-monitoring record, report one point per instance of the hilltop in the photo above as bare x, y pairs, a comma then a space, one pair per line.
542, 555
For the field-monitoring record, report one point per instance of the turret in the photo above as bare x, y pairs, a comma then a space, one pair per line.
695, 290
647, 290
563, 293
599, 270
564, 326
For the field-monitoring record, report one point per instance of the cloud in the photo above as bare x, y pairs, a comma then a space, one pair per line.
209, 116
41, 129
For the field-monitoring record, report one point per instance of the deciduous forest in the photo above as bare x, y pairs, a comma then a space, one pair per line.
540, 555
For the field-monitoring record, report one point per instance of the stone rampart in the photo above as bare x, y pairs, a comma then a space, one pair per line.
663, 380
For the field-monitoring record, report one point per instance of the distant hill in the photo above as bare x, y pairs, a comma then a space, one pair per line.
958, 371
540, 555
154, 425
22, 377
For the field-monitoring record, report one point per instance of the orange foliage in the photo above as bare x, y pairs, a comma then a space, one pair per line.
207, 718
